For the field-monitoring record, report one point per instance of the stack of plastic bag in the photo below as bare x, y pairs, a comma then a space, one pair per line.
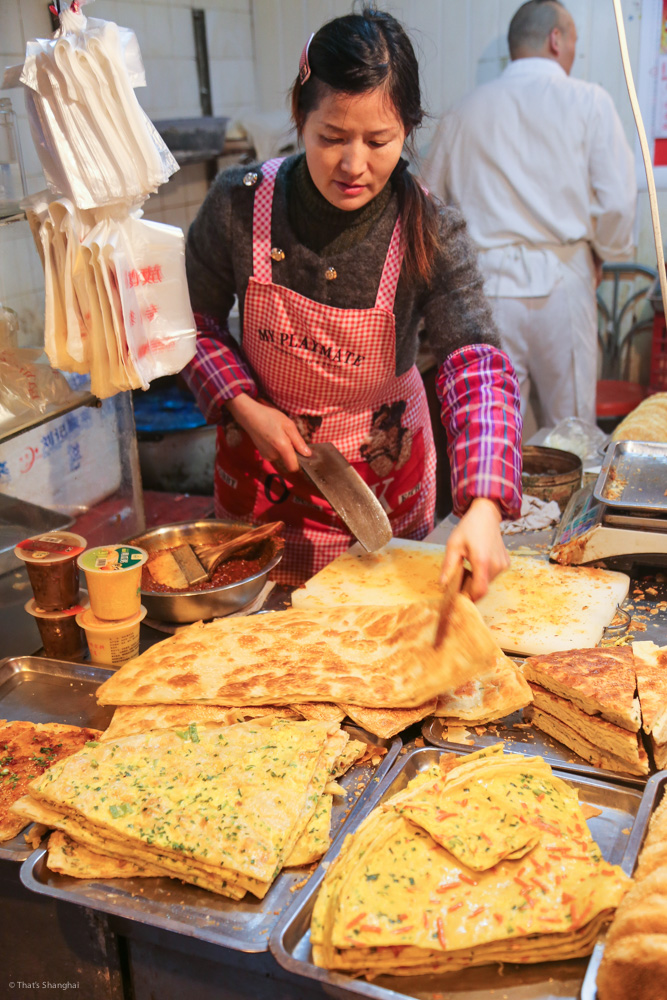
116, 298
117, 303
95, 142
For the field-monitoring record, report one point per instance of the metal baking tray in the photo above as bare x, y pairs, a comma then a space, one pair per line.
529, 741
651, 799
20, 519
290, 941
34, 689
634, 476
184, 909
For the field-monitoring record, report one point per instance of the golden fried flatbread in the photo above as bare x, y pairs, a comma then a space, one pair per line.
374, 657
634, 967
597, 731
488, 696
598, 681
129, 719
651, 670
589, 751
647, 422
27, 749
387, 722
322, 711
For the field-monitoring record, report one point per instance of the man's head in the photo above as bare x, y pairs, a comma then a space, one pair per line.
545, 29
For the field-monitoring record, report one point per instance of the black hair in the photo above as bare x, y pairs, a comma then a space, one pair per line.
532, 24
368, 51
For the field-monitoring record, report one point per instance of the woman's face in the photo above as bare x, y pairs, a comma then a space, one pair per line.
353, 143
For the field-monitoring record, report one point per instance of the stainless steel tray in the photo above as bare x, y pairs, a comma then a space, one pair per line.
290, 941
529, 741
34, 689
20, 519
651, 799
634, 476
184, 909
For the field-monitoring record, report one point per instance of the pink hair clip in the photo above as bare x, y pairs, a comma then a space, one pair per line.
304, 65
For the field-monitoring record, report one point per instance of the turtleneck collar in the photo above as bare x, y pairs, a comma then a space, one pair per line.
321, 226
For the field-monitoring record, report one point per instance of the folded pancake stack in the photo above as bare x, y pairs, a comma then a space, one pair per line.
634, 963
377, 665
491, 861
223, 808
651, 670
491, 695
585, 698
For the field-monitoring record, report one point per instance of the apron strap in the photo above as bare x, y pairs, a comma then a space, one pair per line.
261, 240
391, 271
261, 221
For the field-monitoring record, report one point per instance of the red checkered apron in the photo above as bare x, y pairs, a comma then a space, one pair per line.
333, 372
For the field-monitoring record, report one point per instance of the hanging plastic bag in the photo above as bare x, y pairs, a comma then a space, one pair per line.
149, 263
96, 144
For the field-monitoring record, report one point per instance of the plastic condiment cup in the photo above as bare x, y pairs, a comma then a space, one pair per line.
111, 643
61, 636
113, 577
51, 561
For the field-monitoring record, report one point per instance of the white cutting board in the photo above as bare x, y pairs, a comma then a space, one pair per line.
540, 607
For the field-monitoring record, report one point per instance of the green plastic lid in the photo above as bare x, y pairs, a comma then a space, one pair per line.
112, 558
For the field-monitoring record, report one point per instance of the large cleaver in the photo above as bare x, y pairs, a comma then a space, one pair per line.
354, 501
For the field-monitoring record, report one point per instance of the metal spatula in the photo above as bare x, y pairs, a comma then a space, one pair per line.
354, 501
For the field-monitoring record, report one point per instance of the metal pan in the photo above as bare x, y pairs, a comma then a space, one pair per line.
634, 477
290, 941
184, 909
34, 689
651, 799
520, 737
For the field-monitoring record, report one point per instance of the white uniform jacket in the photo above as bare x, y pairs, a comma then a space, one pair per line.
539, 164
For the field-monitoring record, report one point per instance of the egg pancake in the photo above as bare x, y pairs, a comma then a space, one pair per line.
129, 719
395, 900
67, 857
229, 804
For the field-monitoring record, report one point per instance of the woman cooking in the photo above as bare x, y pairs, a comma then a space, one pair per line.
336, 255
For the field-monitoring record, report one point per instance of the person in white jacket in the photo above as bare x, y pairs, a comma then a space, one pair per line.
539, 164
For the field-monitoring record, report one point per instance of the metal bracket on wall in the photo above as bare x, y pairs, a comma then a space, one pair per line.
203, 75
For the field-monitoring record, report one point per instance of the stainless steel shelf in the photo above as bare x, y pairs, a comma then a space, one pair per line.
7, 219
24, 423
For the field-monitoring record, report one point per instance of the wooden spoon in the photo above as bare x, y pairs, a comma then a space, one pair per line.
210, 556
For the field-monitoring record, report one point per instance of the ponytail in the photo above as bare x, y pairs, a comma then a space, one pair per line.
420, 224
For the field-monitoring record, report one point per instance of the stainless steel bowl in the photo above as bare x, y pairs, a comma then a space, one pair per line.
195, 605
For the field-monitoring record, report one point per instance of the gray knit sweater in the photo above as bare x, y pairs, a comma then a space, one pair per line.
219, 265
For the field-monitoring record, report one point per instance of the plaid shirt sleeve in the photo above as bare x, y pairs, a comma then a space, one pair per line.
219, 371
481, 412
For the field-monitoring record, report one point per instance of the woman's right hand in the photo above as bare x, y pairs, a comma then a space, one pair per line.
274, 434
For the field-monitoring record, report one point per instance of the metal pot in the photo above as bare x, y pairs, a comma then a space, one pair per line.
551, 474
196, 605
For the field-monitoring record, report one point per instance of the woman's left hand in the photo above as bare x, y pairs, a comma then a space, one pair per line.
477, 538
